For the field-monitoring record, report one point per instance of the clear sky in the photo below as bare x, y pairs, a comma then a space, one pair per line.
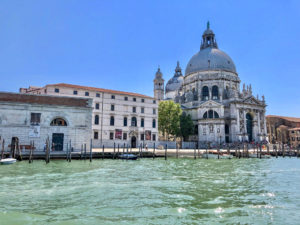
119, 44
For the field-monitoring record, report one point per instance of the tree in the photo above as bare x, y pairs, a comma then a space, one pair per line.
169, 118
186, 126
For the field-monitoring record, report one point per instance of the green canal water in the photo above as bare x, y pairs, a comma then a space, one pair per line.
176, 191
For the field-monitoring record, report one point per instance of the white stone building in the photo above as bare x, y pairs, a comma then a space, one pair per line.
118, 117
210, 93
25, 118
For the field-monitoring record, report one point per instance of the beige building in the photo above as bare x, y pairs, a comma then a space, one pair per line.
118, 117
26, 117
294, 134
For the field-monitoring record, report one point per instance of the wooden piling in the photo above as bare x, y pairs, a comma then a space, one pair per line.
2, 150
102, 152
176, 151
114, 150
206, 151
91, 150
218, 151
195, 152
283, 150
81, 150
30, 154
276, 153
118, 149
124, 148
298, 152
84, 151
166, 151
235, 148
153, 155
260, 151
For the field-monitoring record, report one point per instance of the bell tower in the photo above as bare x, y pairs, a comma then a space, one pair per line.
158, 86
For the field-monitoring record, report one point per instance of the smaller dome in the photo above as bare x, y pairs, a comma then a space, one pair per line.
175, 82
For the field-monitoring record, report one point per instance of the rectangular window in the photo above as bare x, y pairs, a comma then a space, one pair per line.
126, 98
112, 107
111, 136
97, 105
293, 139
142, 110
154, 111
98, 95
125, 122
142, 122
56, 90
112, 97
87, 93
134, 99
75, 92
95, 134
35, 118
134, 109
143, 100
153, 137
124, 136
154, 101
142, 137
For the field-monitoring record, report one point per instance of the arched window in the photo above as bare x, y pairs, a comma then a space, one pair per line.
125, 121
142, 122
133, 122
215, 92
216, 115
153, 123
58, 122
205, 93
210, 114
112, 121
96, 119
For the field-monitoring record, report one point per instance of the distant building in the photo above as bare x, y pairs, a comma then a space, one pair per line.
118, 117
280, 129
26, 118
210, 92
294, 134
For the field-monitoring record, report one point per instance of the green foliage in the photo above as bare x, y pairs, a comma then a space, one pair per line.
186, 126
169, 118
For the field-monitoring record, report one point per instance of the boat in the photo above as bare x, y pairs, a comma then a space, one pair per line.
263, 156
215, 156
128, 156
7, 161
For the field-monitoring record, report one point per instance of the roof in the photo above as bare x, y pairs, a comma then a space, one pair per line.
297, 128
99, 90
44, 99
292, 119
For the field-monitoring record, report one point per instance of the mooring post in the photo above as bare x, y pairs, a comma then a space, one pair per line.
46, 150
2, 151
247, 150
102, 152
140, 150
114, 150
218, 151
198, 151
268, 149
91, 150
235, 149
260, 150
283, 150
177, 148
67, 153
84, 151
118, 150
256, 148
276, 153
81, 150
123, 148
166, 152
153, 155
206, 151
195, 152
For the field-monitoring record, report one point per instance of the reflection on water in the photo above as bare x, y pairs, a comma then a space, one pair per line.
176, 191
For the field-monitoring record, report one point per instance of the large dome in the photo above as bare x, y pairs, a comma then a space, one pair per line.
210, 59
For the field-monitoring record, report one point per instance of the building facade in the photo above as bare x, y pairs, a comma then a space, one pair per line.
210, 92
281, 129
63, 120
118, 117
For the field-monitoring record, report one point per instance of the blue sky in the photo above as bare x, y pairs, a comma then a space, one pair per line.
119, 44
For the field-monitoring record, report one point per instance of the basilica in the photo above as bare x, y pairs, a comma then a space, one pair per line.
210, 92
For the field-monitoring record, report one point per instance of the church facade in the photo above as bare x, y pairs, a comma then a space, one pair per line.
210, 92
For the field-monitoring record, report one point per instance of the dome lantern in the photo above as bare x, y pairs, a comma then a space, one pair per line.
208, 38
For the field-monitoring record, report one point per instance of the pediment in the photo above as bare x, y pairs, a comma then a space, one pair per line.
252, 101
210, 104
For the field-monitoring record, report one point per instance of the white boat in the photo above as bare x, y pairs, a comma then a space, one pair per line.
263, 156
7, 161
215, 156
